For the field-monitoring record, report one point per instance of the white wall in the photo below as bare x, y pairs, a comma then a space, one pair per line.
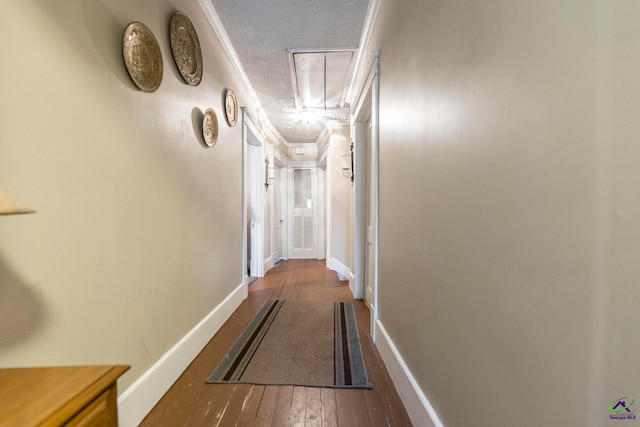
137, 235
509, 205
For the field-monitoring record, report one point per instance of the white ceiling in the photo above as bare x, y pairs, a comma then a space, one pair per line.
265, 35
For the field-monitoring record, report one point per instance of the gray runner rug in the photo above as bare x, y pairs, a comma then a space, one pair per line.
305, 343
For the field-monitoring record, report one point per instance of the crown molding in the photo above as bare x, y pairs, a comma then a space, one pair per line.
367, 30
218, 28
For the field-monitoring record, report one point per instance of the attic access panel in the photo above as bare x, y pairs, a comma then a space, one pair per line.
320, 77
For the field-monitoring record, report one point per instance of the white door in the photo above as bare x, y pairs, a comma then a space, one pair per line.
256, 212
276, 214
322, 214
303, 212
369, 280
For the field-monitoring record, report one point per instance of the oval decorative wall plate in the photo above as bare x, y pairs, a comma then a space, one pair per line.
142, 56
210, 127
186, 48
231, 107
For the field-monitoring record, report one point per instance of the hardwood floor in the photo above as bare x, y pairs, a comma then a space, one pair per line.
192, 402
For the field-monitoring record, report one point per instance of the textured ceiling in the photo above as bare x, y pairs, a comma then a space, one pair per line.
261, 31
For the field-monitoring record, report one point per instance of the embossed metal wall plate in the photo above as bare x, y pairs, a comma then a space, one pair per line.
231, 107
210, 127
142, 56
186, 48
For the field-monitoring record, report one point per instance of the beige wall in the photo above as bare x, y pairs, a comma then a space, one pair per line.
509, 205
138, 231
340, 239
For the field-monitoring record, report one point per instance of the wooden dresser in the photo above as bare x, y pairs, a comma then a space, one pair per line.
70, 396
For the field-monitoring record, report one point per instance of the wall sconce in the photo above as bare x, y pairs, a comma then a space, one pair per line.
348, 172
9, 206
269, 170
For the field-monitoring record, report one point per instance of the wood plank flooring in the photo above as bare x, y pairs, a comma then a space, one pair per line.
191, 402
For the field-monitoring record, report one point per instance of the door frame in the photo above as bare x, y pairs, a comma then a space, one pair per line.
304, 164
278, 166
252, 195
367, 107
323, 204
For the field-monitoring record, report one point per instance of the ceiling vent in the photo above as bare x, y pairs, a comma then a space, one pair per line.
320, 77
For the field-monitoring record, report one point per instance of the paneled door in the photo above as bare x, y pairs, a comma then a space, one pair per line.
370, 272
277, 218
302, 239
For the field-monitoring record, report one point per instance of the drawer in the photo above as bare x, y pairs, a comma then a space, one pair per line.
101, 412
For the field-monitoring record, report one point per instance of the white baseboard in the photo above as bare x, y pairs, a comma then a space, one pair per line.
245, 285
416, 403
269, 263
138, 400
344, 272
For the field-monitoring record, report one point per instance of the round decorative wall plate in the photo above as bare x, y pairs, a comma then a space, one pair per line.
142, 56
186, 48
231, 107
210, 127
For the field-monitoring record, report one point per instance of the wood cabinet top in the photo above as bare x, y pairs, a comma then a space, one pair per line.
50, 396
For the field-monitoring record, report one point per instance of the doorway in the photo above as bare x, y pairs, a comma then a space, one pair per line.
256, 213
253, 201
277, 179
370, 216
303, 211
366, 141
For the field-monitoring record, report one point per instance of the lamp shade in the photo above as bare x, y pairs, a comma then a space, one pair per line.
9, 206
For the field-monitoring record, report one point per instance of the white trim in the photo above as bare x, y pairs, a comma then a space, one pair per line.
365, 38
253, 152
322, 158
268, 264
322, 211
245, 283
138, 400
364, 93
298, 145
375, 135
302, 164
218, 28
284, 206
248, 121
281, 160
302, 253
360, 210
328, 206
245, 180
324, 136
344, 272
416, 403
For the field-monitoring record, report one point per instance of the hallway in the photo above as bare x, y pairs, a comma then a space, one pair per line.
191, 402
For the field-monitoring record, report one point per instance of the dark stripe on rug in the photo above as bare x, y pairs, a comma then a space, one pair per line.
236, 361
338, 358
346, 362
357, 369
274, 349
